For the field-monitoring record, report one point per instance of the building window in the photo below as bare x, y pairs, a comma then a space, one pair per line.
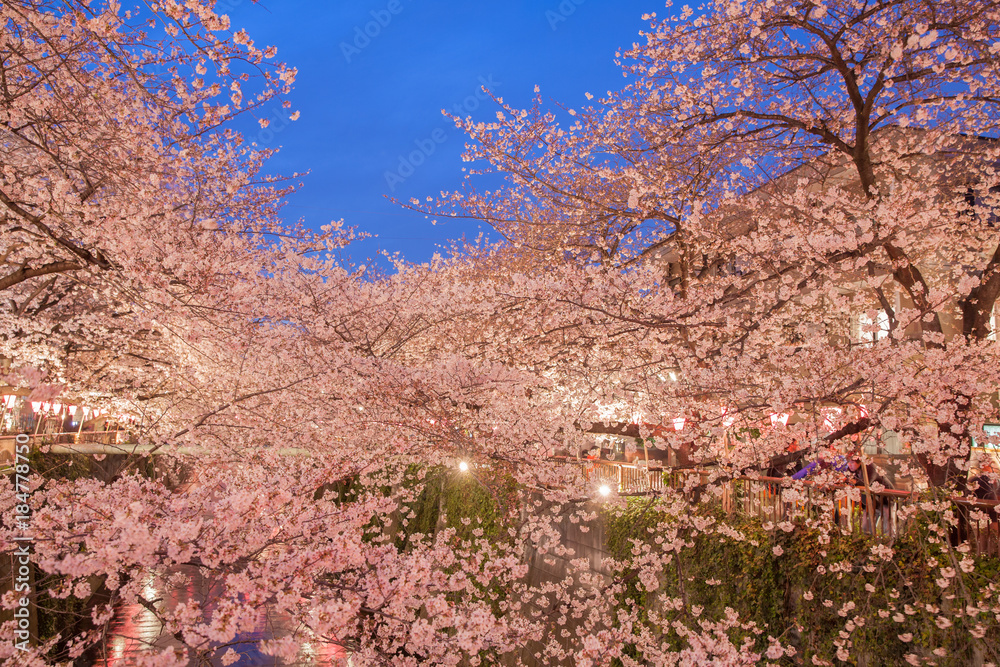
872, 330
992, 431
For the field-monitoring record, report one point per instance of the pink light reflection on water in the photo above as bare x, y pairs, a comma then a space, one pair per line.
135, 630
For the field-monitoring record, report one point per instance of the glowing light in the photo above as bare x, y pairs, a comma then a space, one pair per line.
830, 417
679, 423
36, 406
8, 401
605, 490
463, 466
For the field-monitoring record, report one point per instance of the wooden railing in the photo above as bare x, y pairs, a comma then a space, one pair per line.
773, 499
776, 499
625, 478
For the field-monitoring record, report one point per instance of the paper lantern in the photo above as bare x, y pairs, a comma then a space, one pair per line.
36, 406
679, 423
781, 418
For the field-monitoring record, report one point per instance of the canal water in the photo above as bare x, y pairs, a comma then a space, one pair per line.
135, 630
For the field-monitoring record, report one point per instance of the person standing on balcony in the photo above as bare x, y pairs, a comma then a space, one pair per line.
824, 461
986, 486
881, 505
788, 463
858, 475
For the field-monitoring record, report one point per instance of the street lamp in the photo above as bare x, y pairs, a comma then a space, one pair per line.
604, 490
463, 466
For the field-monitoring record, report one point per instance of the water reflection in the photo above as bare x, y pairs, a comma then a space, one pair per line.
135, 630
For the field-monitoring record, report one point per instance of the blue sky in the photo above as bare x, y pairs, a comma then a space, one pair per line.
369, 99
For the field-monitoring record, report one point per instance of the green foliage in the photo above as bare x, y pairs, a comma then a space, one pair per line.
466, 502
872, 600
342, 491
60, 466
86, 466
63, 617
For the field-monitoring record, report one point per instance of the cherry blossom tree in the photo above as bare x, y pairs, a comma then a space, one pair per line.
787, 217
125, 193
688, 258
147, 269
788, 169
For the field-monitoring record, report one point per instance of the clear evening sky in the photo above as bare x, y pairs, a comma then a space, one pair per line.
375, 74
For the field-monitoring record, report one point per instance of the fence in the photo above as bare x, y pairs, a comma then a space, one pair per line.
776, 499
626, 478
